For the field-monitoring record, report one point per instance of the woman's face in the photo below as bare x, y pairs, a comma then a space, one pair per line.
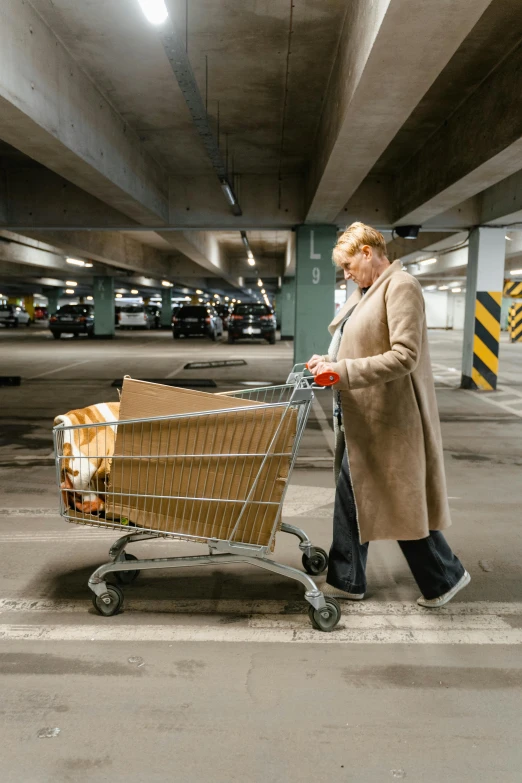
359, 267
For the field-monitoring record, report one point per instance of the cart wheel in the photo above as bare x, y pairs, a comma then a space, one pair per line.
316, 563
325, 619
127, 577
115, 605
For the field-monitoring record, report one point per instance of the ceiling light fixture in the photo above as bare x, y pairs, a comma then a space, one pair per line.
198, 291
90, 298
88, 264
443, 287
119, 296
227, 190
260, 283
456, 290
430, 288
75, 261
251, 261
407, 232
428, 261
134, 291
454, 285
187, 299
516, 272
343, 287
166, 283
71, 282
509, 239
155, 10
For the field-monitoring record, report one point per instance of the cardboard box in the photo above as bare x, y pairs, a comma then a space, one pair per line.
191, 475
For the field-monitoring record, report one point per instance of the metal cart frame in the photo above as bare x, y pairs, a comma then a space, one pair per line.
297, 394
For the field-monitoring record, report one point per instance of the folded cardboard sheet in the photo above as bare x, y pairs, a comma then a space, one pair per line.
192, 475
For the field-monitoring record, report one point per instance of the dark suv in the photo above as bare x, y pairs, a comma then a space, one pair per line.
192, 320
252, 320
72, 319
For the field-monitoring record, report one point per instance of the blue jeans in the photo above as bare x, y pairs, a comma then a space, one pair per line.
434, 566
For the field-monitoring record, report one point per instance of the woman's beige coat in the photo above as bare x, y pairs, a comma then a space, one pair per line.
390, 414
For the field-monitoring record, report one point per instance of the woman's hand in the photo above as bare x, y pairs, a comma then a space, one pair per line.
314, 361
322, 367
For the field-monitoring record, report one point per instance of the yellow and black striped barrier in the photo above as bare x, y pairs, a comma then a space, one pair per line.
513, 288
484, 370
515, 326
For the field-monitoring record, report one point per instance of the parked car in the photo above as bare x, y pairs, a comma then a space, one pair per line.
133, 316
222, 310
154, 314
73, 319
192, 320
14, 315
252, 320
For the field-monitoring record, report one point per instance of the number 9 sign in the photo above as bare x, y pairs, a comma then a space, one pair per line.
316, 275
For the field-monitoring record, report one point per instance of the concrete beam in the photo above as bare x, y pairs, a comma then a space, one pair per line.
398, 248
38, 197
51, 111
203, 248
462, 160
502, 203
385, 50
109, 247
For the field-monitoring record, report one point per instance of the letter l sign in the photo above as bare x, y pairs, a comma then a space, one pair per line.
313, 254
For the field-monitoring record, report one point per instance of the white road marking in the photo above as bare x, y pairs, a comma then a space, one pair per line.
247, 632
58, 369
501, 402
176, 371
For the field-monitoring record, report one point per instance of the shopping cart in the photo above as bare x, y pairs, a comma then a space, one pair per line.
194, 485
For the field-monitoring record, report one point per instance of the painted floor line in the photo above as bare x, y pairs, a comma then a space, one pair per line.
58, 369
112, 632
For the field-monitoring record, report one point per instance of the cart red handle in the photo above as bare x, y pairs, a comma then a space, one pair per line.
326, 378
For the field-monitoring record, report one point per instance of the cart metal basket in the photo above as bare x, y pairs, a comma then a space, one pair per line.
216, 477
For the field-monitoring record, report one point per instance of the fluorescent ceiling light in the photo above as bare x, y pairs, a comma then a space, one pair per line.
198, 291
187, 299
88, 264
134, 291
343, 287
70, 291
456, 290
509, 239
428, 261
516, 272
216, 296
430, 288
239, 301
227, 190
75, 261
200, 300
90, 298
263, 291
166, 284
454, 285
119, 296
260, 283
443, 287
155, 10
251, 261
71, 282
249, 253
226, 298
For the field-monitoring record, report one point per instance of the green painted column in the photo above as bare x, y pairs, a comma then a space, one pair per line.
103, 291
166, 308
287, 298
315, 289
52, 300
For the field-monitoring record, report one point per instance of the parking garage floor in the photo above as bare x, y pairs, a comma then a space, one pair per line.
217, 676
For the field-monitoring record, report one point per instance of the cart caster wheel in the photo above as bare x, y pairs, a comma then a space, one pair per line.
316, 563
126, 577
115, 603
325, 619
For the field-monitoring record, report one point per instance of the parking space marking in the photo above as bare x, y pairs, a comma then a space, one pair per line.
58, 369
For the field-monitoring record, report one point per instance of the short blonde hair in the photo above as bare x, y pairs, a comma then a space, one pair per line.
355, 236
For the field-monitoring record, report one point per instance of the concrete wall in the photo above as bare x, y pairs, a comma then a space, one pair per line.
444, 310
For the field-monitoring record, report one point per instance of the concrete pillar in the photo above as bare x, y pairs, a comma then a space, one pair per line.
166, 308
315, 289
484, 285
103, 291
29, 305
52, 300
287, 299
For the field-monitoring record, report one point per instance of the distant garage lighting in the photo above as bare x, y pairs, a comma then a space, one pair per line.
71, 282
166, 284
187, 299
90, 298
343, 287
216, 296
70, 291
200, 300
239, 301
443, 287
226, 298
75, 261
198, 291
134, 291
233, 300
428, 261
119, 296
260, 283
516, 272
454, 285
251, 261
509, 239
263, 291
88, 264
456, 290
155, 11
430, 288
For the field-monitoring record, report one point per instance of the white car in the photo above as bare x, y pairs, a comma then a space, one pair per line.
133, 316
14, 315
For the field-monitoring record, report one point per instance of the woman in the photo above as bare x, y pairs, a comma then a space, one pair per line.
389, 463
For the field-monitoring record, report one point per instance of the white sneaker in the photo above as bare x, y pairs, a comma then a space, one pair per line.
335, 592
435, 603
